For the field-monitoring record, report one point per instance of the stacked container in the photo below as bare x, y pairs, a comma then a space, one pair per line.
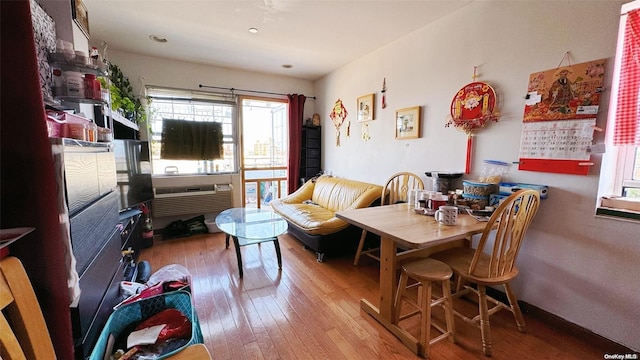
476, 193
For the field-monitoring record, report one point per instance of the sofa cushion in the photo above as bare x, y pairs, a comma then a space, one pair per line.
338, 194
312, 218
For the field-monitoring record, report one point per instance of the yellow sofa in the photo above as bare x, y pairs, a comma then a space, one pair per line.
310, 212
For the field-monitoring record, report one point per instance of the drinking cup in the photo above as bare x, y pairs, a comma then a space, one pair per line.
412, 198
446, 215
422, 198
437, 201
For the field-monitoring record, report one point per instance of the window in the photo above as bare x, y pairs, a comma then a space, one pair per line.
192, 106
265, 137
620, 171
631, 178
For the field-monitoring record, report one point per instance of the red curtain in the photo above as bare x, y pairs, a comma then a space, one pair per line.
627, 127
296, 110
28, 186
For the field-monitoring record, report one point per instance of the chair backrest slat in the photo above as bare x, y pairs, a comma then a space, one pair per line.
24, 333
507, 227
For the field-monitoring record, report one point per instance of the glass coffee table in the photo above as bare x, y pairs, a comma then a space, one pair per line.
251, 226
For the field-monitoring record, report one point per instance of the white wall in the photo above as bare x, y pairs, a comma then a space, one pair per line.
142, 70
577, 266
182, 75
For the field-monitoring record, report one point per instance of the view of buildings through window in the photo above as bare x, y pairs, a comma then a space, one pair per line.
265, 148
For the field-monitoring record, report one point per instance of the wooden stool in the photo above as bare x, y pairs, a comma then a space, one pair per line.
426, 271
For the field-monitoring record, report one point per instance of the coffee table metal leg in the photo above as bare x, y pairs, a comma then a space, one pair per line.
226, 240
238, 256
277, 245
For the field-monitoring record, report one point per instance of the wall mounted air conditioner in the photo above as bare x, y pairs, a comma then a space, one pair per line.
191, 200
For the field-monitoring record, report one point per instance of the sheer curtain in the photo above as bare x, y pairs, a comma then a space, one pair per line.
627, 120
296, 111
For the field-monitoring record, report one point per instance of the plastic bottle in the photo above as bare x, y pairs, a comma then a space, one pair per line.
92, 132
97, 89
95, 56
89, 81
74, 83
59, 88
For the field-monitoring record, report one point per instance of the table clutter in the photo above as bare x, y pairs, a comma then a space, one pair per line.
476, 197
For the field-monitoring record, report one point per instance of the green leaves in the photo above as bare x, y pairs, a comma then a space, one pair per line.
122, 97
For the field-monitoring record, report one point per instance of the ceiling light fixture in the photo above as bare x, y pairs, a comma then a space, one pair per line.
253, 30
158, 38
287, 66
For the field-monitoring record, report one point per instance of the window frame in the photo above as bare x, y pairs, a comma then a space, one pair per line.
628, 161
155, 93
618, 161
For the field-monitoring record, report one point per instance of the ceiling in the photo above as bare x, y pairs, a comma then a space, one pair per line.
314, 37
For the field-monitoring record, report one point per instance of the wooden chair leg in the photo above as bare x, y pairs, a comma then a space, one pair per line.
515, 308
425, 322
448, 310
459, 281
402, 285
360, 246
485, 328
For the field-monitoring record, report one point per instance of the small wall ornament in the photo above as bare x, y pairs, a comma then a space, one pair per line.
365, 132
338, 114
384, 91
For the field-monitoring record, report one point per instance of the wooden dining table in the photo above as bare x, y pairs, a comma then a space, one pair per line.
400, 226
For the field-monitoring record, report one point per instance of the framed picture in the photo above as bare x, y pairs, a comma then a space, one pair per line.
365, 107
408, 123
80, 16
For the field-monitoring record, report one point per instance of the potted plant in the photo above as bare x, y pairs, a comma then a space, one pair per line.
122, 97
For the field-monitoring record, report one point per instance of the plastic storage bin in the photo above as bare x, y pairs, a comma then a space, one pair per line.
478, 189
211, 226
138, 311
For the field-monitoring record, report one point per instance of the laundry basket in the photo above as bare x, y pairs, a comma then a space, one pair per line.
128, 316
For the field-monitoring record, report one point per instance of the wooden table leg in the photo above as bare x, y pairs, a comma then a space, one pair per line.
385, 313
387, 278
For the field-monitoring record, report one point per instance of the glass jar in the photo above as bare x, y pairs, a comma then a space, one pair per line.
89, 81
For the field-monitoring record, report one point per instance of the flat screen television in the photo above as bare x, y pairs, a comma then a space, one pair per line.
133, 171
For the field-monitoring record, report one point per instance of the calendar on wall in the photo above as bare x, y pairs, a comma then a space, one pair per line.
560, 117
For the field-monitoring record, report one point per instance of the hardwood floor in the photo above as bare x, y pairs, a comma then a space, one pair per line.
311, 310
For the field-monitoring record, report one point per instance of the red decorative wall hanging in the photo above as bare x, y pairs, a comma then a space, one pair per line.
472, 108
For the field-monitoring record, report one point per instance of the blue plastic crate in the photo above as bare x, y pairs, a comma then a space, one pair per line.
143, 309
